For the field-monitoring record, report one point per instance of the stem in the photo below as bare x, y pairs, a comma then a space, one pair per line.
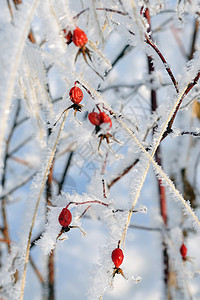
3, 204
176, 192
182, 96
10, 9
122, 174
113, 10
168, 69
60, 184
41, 279
161, 188
51, 289
86, 202
51, 283
37, 205
194, 38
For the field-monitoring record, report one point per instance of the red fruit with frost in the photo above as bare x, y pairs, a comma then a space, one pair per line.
79, 37
183, 251
94, 118
117, 257
65, 217
104, 118
76, 95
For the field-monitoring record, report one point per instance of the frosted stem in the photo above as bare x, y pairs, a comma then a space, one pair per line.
37, 204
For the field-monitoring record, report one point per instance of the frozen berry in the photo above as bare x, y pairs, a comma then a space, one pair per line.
104, 118
76, 95
94, 118
183, 251
79, 37
65, 217
117, 257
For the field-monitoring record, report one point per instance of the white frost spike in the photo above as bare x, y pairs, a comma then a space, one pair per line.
135, 279
15, 36
142, 209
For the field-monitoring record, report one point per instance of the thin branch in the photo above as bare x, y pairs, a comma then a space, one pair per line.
118, 86
161, 188
87, 90
179, 42
60, 185
113, 10
37, 272
3, 205
134, 226
182, 96
22, 121
189, 133
4, 240
125, 171
9, 192
23, 143
123, 53
37, 205
10, 9
78, 15
8, 142
168, 69
194, 38
51, 285
151, 160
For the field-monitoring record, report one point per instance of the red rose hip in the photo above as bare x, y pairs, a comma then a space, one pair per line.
94, 118
79, 37
117, 257
183, 251
65, 217
104, 118
76, 95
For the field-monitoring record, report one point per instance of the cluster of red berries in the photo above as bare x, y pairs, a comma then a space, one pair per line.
98, 119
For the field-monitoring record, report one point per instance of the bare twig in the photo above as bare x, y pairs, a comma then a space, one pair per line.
23, 143
185, 93
48, 166
12, 190
113, 10
3, 205
179, 41
168, 69
51, 283
161, 188
79, 14
125, 171
194, 38
10, 9
37, 272
60, 185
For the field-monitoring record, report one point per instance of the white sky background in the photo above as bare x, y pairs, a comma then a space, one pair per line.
75, 258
